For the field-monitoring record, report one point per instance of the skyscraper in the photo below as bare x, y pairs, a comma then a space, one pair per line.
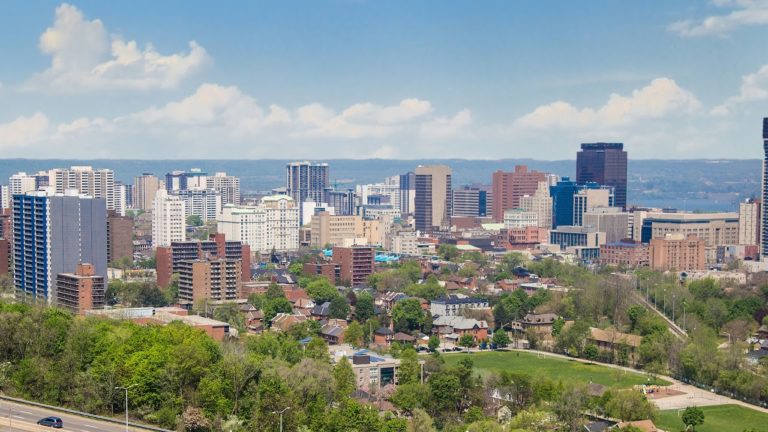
469, 201
509, 187
145, 187
540, 203
99, 183
226, 185
433, 206
305, 181
763, 215
407, 192
169, 223
52, 235
605, 164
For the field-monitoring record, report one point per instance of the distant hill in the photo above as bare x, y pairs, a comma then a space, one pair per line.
690, 184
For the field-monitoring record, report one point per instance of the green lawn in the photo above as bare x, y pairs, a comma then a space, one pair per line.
718, 418
551, 367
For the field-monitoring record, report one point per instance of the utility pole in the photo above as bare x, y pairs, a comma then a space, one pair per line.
126, 403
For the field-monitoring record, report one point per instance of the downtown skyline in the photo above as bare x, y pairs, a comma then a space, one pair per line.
349, 79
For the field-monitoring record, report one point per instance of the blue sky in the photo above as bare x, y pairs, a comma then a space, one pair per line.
357, 79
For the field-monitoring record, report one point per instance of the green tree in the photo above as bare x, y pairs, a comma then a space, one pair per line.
630, 405
557, 326
467, 341
692, 417
194, 221
635, 313
446, 392
296, 268
364, 308
407, 315
409, 370
570, 406
434, 343
421, 422
339, 308
448, 252
500, 338
321, 291
353, 335
343, 379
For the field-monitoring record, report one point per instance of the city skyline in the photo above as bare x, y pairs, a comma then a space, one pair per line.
347, 79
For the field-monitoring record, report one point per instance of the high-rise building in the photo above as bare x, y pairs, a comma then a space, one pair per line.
119, 237
227, 186
356, 263
21, 183
210, 279
509, 187
469, 201
562, 202
763, 213
217, 247
203, 203
273, 224
195, 178
749, 222
98, 183
610, 220
342, 202
169, 220
518, 218
145, 188
590, 198
605, 164
540, 202
389, 188
306, 181
677, 252
433, 206
80, 290
121, 198
52, 235
407, 192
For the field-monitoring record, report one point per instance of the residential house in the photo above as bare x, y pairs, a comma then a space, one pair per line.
454, 327
452, 304
383, 336
612, 340
284, 321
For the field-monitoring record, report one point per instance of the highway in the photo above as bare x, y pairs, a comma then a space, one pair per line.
19, 417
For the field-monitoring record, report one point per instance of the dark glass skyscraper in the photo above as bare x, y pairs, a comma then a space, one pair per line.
606, 164
764, 221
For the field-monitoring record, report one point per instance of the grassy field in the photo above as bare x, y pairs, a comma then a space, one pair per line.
551, 367
719, 418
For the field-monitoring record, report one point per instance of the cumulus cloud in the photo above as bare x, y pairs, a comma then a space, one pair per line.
232, 120
662, 97
23, 131
754, 87
744, 13
85, 57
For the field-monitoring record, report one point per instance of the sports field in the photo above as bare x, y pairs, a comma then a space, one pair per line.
718, 418
552, 367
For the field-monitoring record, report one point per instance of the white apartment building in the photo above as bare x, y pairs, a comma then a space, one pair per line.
274, 223
169, 219
204, 203
588, 199
227, 186
540, 203
404, 242
121, 199
518, 218
99, 183
21, 183
390, 188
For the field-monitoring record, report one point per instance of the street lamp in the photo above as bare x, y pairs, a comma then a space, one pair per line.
126, 402
281, 416
673, 308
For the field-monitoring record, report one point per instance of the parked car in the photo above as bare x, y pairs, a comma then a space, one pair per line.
53, 422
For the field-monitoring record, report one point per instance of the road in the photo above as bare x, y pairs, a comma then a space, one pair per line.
25, 417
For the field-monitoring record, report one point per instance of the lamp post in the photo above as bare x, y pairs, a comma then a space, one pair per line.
126, 402
281, 416
665, 301
673, 307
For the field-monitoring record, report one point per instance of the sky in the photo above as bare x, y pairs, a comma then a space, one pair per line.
360, 79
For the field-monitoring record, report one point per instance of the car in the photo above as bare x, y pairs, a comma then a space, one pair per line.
53, 422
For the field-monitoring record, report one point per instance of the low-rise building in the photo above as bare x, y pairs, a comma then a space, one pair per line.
453, 304
355, 263
625, 253
454, 327
677, 252
80, 291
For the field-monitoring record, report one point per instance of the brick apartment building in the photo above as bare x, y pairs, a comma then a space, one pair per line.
80, 291
677, 252
169, 259
355, 263
213, 279
625, 253
119, 237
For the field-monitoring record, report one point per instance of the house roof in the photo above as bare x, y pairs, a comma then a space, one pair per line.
322, 309
614, 337
644, 425
403, 337
457, 300
547, 318
459, 322
383, 331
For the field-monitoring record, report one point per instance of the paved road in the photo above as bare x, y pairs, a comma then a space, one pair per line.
24, 418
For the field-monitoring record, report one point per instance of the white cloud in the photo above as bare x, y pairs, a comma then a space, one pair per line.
23, 131
447, 127
754, 87
84, 58
662, 97
746, 13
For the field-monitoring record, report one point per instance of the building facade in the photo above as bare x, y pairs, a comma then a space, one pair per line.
749, 222
540, 202
119, 237
81, 290
433, 206
145, 188
305, 181
625, 253
713, 228
605, 164
469, 201
169, 259
677, 252
509, 187
355, 263
228, 187
763, 215
98, 183
203, 203
169, 219
210, 279
519, 218
613, 221
52, 235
